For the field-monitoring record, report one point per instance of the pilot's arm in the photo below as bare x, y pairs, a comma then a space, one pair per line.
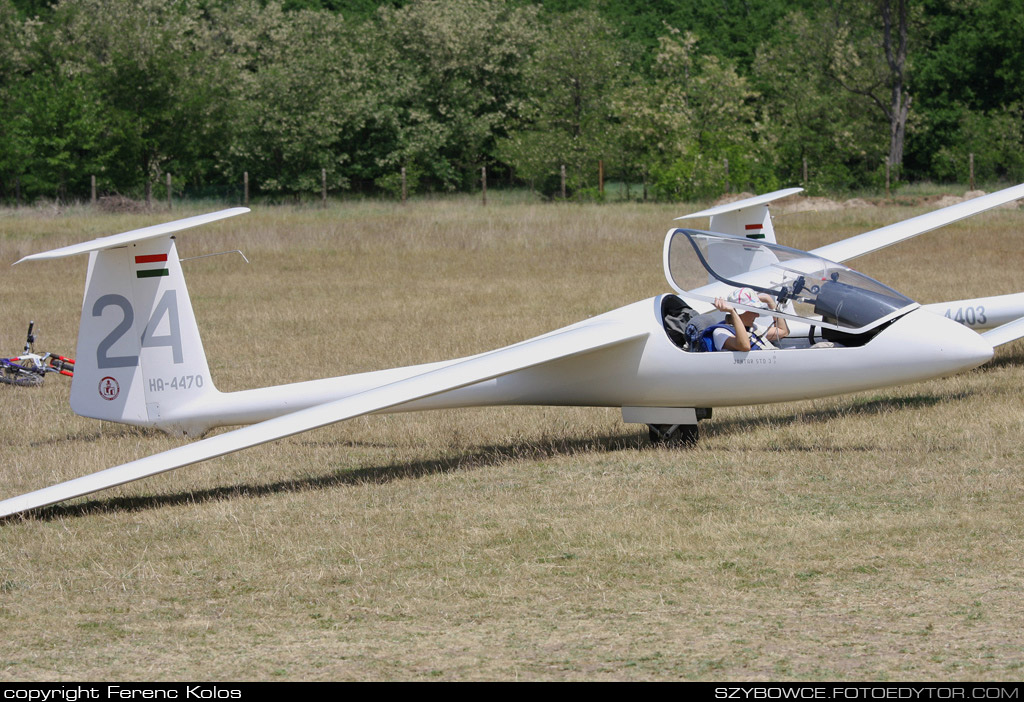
741, 341
779, 330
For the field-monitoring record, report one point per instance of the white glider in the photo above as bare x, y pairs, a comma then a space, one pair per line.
140, 359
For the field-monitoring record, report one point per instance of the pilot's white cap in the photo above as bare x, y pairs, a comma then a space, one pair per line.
746, 296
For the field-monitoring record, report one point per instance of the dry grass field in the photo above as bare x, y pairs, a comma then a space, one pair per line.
876, 536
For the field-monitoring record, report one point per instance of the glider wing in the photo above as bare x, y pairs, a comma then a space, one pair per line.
1010, 331
573, 341
861, 244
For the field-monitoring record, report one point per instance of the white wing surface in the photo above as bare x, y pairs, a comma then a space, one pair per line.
1006, 333
861, 244
125, 238
573, 341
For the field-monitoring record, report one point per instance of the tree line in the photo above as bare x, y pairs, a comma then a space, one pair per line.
687, 99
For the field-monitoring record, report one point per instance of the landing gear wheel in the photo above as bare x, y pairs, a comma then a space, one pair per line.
682, 435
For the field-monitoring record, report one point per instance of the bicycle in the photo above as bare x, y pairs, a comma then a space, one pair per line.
30, 368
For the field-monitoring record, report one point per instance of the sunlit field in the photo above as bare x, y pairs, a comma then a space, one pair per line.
871, 536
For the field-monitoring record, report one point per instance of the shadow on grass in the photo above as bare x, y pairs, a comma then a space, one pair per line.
108, 431
1014, 358
853, 408
377, 475
491, 455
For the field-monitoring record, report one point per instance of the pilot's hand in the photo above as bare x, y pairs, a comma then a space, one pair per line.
722, 306
767, 299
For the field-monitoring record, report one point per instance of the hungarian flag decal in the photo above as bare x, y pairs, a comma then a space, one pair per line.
755, 230
151, 272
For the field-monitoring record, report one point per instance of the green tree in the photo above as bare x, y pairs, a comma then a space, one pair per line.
301, 94
868, 56
969, 82
574, 76
51, 125
695, 116
13, 146
809, 115
148, 64
996, 140
452, 76
725, 27
869, 60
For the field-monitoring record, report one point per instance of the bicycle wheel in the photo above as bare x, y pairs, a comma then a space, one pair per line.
16, 375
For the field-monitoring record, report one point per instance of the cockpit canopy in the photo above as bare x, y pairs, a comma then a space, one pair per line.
706, 265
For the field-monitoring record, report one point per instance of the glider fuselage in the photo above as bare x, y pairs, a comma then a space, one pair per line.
649, 371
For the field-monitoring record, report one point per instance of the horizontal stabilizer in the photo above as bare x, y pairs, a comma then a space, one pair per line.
742, 204
125, 238
877, 239
1005, 334
572, 341
748, 218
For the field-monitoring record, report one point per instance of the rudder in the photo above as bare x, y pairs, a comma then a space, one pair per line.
140, 357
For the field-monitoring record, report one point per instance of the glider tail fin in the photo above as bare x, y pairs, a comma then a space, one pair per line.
748, 217
139, 359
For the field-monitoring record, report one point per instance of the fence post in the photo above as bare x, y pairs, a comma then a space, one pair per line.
92, 190
403, 185
600, 177
805, 171
245, 181
970, 161
887, 173
168, 191
483, 180
563, 181
323, 187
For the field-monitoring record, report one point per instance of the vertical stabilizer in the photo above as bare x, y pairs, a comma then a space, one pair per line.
751, 222
139, 359
748, 218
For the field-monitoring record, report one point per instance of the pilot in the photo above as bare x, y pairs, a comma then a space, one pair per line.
739, 333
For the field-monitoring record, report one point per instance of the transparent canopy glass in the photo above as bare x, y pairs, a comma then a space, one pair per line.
706, 265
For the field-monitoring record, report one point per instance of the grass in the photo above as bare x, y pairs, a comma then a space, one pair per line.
867, 537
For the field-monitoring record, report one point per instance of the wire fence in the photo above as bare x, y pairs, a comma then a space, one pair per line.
168, 192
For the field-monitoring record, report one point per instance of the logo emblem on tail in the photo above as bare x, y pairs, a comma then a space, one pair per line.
109, 388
